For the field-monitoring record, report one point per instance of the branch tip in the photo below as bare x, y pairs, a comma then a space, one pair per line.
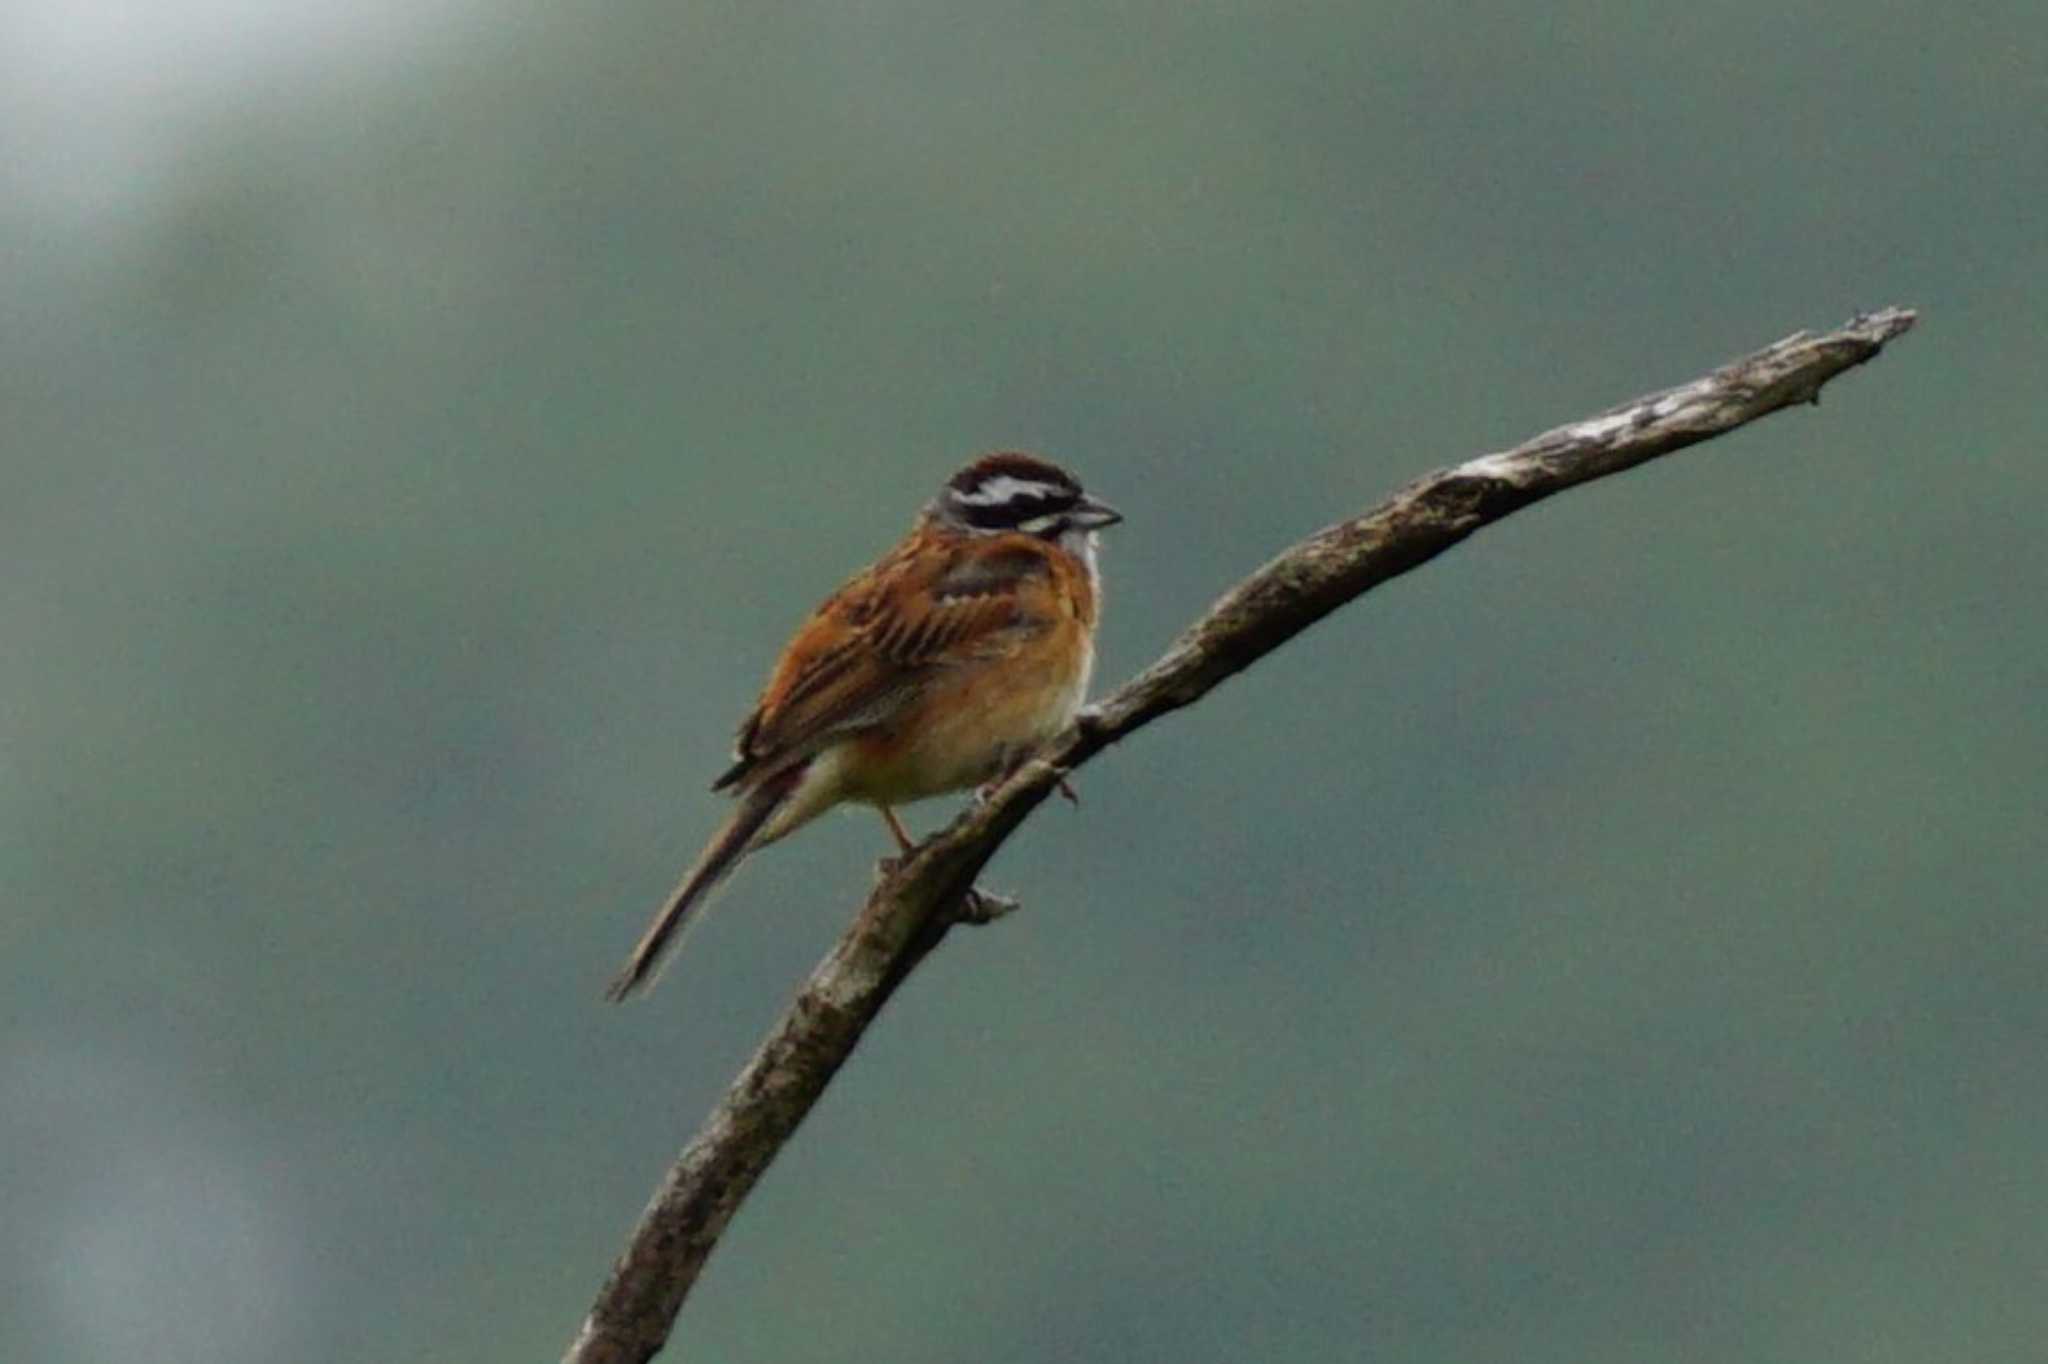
980, 907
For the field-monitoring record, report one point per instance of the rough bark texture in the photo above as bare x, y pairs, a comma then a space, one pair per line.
916, 901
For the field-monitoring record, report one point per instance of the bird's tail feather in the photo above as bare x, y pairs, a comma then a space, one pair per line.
713, 865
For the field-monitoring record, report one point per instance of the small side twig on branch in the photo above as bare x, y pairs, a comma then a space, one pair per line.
915, 902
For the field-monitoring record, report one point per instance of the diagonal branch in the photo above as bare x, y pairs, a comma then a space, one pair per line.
915, 902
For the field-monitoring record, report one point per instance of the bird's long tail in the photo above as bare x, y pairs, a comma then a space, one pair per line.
713, 865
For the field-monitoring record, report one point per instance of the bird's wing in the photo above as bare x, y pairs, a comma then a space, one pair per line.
865, 654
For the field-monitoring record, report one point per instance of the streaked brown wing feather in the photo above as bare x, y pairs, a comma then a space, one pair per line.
864, 654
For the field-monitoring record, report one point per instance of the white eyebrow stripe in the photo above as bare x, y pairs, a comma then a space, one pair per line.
1006, 488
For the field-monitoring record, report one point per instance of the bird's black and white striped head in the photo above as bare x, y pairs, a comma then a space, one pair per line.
1018, 492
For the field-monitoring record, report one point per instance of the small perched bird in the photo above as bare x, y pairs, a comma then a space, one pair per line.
941, 666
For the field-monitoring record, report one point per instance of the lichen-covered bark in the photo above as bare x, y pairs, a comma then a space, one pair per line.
915, 902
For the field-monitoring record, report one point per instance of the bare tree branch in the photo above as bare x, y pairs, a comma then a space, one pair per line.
915, 902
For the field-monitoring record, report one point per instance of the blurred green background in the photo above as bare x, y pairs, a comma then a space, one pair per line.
1621, 940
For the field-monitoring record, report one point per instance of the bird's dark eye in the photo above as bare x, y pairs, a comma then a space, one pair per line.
1006, 503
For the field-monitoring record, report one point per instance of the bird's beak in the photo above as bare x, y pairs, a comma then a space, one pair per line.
1092, 515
